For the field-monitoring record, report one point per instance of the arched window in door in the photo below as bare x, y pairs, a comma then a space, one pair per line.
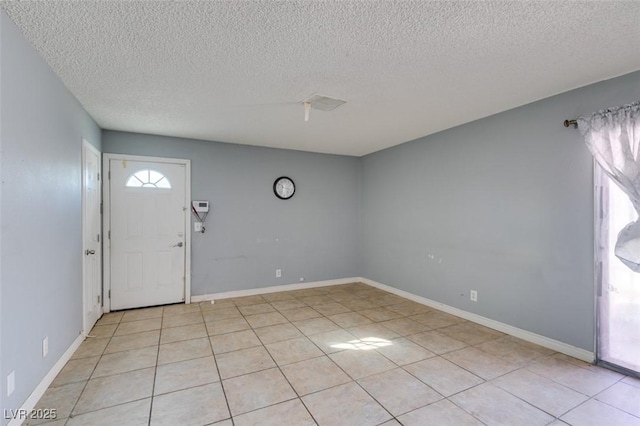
148, 179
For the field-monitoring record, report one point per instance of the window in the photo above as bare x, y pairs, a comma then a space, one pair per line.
148, 179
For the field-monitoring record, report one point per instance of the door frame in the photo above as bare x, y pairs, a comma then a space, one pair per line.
600, 194
106, 221
86, 145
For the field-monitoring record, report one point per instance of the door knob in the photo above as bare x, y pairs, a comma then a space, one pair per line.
88, 252
177, 245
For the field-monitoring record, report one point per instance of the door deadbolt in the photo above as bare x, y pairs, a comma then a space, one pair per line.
88, 252
177, 245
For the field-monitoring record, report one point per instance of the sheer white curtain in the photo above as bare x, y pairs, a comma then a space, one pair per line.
613, 137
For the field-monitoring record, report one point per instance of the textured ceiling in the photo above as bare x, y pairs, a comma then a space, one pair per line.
237, 71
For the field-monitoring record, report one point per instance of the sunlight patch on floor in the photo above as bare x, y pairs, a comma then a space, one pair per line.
364, 344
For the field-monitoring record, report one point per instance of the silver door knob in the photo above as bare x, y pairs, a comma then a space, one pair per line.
177, 245
88, 252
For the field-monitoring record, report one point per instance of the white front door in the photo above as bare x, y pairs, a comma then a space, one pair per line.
148, 208
91, 247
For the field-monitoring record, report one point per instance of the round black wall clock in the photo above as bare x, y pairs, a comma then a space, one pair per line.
284, 188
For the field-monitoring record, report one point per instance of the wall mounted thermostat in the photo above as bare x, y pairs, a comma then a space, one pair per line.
201, 206
200, 210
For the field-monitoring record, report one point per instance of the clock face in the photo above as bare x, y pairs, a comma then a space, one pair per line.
284, 188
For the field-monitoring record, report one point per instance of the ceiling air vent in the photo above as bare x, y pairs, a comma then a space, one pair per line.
323, 103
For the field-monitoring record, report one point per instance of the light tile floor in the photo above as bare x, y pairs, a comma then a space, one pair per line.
342, 355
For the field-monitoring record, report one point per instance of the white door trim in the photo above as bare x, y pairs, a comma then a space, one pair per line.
85, 144
598, 206
106, 221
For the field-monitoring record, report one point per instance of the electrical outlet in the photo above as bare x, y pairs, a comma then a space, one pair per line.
301, 279
473, 296
45, 346
11, 383
278, 273
197, 226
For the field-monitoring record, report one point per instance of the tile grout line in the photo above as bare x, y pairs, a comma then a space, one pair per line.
324, 355
520, 367
95, 367
280, 367
215, 361
606, 403
467, 346
298, 397
355, 381
155, 370
92, 372
308, 337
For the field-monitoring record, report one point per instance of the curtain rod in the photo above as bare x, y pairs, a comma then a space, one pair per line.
573, 123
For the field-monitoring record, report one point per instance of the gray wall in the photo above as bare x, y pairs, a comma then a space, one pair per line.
503, 205
249, 232
41, 224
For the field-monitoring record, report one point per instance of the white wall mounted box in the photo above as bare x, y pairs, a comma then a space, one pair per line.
200, 206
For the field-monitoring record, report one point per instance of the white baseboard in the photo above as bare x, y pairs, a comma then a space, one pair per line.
546, 342
538, 339
273, 289
35, 396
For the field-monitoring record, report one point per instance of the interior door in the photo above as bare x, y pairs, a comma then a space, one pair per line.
147, 213
91, 220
